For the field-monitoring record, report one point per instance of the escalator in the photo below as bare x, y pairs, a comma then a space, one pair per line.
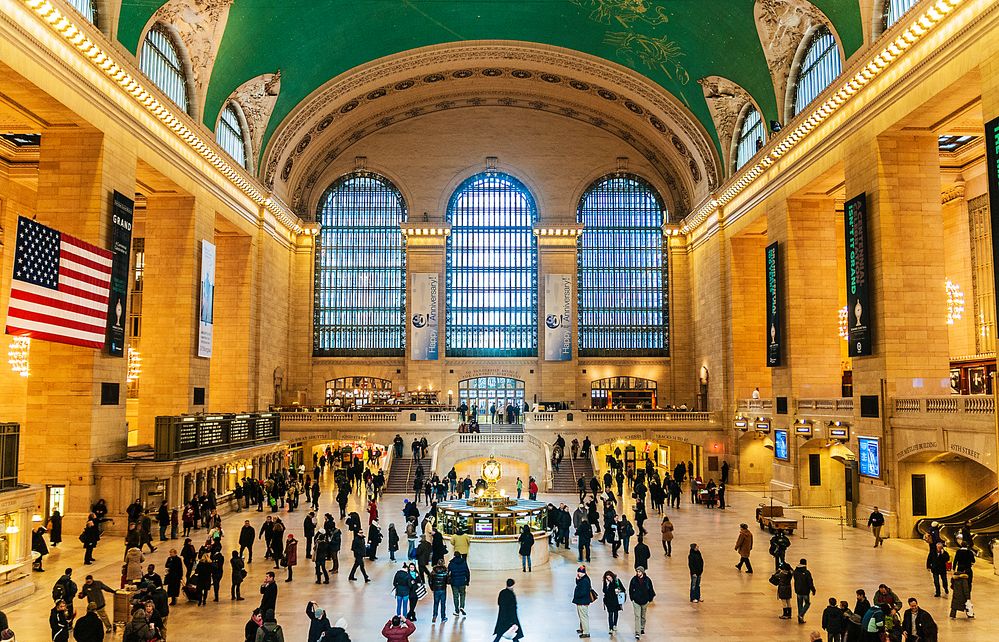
983, 513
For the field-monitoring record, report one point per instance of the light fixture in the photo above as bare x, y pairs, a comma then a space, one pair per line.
36, 518
134, 365
955, 302
17, 355
12, 530
844, 323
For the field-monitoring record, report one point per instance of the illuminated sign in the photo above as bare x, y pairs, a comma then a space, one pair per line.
839, 433
870, 456
763, 426
858, 302
803, 429
773, 305
780, 445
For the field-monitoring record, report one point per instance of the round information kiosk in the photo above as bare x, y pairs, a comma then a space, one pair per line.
494, 523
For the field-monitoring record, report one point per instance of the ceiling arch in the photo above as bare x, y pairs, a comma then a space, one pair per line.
669, 42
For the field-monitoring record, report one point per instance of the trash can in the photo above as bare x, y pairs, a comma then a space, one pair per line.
122, 607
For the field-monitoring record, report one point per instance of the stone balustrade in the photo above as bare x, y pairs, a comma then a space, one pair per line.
974, 405
831, 407
755, 405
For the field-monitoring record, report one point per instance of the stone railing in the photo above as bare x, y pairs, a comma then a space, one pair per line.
645, 417
829, 407
976, 405
541, 416
754, 405
524, 447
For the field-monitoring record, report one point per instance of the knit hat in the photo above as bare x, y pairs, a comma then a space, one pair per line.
581, 569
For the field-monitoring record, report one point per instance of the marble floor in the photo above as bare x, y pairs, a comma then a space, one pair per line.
737, 606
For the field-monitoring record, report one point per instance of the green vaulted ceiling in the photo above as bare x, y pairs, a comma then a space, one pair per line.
672, 42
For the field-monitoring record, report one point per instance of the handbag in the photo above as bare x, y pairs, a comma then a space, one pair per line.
421, 590
774, 580
593, 596
620, 598
510, 633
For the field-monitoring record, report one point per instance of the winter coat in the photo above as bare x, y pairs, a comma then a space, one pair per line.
832, 620
460, 575
581, 593
783, 584
133, 565
95, 593
642, 554
610, 592
507, 615
744, 544
960, 592
803, 583
246, 535
270, 626
438, 579
401, 583
89, 628
460, 543
926, 628
695, 562
291, 552
318, 626
398, 633
667, 531
640, 590
526, 540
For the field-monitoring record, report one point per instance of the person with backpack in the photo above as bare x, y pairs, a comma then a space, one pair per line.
873, 622
613, 599
641, 592
270, 631
65, 589
626, 531
779, 544
804, 588
833, 621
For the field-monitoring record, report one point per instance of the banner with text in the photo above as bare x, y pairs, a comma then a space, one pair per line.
992, 170
558, 317
773, 305
122, 209
858, 296
207, 311
423, 318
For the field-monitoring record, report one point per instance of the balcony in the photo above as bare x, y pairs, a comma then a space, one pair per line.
832, 407
758, 406
963, 405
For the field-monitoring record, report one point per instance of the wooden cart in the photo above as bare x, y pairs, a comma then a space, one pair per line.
771, 518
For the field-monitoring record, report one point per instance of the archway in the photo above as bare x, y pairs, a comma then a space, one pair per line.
822, 473
756, 458
481, 394
936, 483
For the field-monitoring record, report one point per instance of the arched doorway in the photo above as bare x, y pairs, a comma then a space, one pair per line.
357, 392
935, 483
482, 393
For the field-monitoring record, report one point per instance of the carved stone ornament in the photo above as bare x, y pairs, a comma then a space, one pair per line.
257, 97
200, 25
782, 25
725, 102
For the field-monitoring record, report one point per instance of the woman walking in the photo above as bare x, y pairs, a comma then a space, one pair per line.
290, 555
203, 578
782, 580
614, 595
526, 540
666, 528
238, 573
174, 575
190, 556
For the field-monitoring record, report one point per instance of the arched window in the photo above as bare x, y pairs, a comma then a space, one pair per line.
360, 269
492, 269
895, 9
229, 134
160, 61
86, 8
820, 65
752, 135
623, 306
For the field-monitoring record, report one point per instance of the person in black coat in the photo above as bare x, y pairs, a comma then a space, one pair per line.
55, 528
526, 540
203, 578
174, 575
920, 620
238, 573
357, 547
268, 593
507, 615
319, 624
89, 628
246, 538
833, 621
642, 553
252, 626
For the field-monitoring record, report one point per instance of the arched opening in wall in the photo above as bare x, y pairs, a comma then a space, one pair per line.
933, 484
817, 63
512, 469
632, 453
357, 392
756, 459
822, 473
164, 61
490, 398
751, 135
627, 393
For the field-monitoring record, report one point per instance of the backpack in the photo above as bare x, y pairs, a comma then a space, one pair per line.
59, 591
271, 635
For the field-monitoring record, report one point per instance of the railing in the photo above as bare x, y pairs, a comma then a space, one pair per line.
952, 405
645, 417
541, 416
441, 417
190, 436
831, 406
755, 405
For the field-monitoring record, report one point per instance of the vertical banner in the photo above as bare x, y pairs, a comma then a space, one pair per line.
207, 311
423, 317
858, 296
558, 317
992, 170
773, 305
122, 209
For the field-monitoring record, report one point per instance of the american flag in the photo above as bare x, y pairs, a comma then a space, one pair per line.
60, 286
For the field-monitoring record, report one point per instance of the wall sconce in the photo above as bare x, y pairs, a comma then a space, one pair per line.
955, 302
12, 530
742, 423
844, 322
134, 365
36, 518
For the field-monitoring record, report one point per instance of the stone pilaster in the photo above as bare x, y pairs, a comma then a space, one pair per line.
232, 360
557, 255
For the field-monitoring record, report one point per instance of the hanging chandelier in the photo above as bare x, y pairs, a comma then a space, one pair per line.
844, 316
955, 302
17, 355
134, 365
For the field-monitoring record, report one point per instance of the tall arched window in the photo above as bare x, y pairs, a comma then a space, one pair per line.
820, 66
623, 304
160, 61
752, 135
895, 9
86, 8
360, 269
229, 134
492, 269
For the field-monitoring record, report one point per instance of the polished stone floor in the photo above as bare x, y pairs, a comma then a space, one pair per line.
736, 606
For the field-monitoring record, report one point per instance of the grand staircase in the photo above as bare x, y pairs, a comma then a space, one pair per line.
569, 472
401, 474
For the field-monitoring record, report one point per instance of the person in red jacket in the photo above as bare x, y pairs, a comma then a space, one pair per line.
532, 490
398, 629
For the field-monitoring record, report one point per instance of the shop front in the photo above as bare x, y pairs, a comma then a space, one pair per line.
18, 506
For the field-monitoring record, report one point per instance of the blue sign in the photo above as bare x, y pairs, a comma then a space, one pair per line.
780, 445
870, 456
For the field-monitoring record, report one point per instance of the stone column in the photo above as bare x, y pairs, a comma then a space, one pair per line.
749, 364
66, 427
231, 366
557, 255
175, 228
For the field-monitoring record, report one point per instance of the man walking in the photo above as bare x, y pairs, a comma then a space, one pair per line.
584, 533
804, 588
744, 545
918, 625
641, 593
357, 547
876, 522
582, 598
938, 565
94, 591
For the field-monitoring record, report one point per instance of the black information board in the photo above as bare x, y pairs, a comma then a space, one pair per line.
122, 210
858, 297
773, 305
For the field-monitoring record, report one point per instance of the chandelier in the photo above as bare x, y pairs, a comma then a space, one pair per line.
134, 365
844, 316
17, 355
955, 302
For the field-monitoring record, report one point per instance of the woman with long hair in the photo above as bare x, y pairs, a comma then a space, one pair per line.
613, 594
